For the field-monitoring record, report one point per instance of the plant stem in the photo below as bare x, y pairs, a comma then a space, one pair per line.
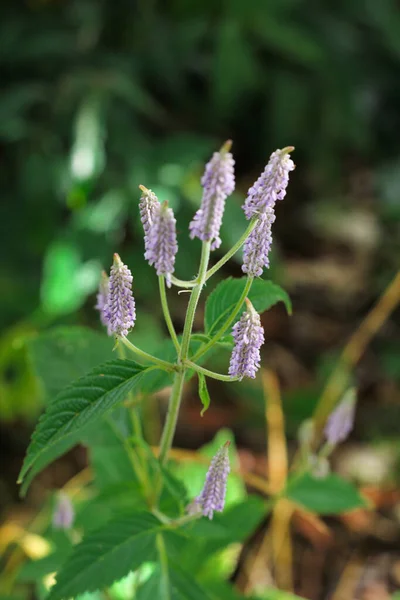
172, 416
182, 283
194, 298
233, 250
162, 553
157, 361
228, 322
167, 315
211, 374
176, 392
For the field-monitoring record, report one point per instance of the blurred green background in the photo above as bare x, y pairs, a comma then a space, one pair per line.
98, 97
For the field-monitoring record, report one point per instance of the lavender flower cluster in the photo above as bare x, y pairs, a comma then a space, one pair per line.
212, 497
116, 304
260, 203
218, 183
115, 301
249, 337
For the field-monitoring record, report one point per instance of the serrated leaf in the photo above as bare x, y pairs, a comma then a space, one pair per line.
108, 554
109, 458
234, 524
37, 569
172, 583
203, 393
330, 495
110, 502
222, 301
77, 408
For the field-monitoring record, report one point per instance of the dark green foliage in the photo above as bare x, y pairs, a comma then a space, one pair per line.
76, 409
222, 301
328, 495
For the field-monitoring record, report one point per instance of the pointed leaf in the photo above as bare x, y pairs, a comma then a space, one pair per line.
203, 393
172, 583
222, 301
330, 495
108, 554
77, 408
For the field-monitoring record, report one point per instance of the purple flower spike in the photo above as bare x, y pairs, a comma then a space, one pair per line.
119, 311
63, 515
218, 183
102, 298
148, 206
258, 244
249, 337
341, 420
212, 497
271, 185
161, 242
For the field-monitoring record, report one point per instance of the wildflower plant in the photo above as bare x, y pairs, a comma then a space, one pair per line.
146, 521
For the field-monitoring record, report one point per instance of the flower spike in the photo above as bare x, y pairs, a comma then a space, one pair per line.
148, 207
249, 337
218, 183
63, 515
341, 420
120, 313
271, 185
258, 244
161, 242
212, 497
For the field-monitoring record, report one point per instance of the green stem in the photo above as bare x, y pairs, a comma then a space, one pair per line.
233, 250
162, 553
167, 315
194, 298
176, 392
186, 519
227, 323
212, 374
172, 416
157, 361
182, 283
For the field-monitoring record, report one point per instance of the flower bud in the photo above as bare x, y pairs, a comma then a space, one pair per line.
161, 242
119, 311
218, 183
271, 185
148, 207
257, 246
63, 515
341, 420
212, 497
249, 337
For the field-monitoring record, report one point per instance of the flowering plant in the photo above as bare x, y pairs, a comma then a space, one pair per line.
139, 524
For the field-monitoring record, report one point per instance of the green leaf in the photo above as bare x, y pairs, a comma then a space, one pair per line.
37, 569
109, 458
112, 501
222, 301
203, 393
63, 354
172, 583
108, 554
331, 495
234, 524
77, 408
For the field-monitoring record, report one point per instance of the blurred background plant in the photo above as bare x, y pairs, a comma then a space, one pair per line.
98, 97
